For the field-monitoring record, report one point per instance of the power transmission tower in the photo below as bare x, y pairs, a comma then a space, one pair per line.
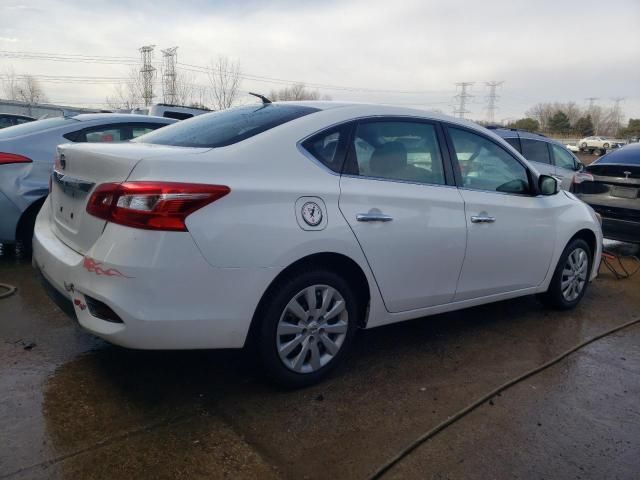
169, 61
462, 99
592, 102
492, 99
148, 72
617, 113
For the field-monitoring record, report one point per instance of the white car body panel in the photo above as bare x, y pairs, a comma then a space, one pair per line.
200, 289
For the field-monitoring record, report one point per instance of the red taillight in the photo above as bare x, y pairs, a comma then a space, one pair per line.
152, 205
6, 158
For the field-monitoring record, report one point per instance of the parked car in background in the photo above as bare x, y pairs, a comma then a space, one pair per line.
294, 224
611, 185
599, 144
11, 119
26, 159
179, 112
548, 156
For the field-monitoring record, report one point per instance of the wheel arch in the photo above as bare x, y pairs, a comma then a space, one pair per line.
336, 262
27, 220
588, 236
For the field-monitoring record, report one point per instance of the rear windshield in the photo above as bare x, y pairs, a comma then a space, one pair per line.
33, 127
219, 129
629, 155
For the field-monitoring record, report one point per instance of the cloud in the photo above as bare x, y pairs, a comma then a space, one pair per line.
543, 50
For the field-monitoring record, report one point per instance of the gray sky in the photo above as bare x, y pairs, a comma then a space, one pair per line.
543, 50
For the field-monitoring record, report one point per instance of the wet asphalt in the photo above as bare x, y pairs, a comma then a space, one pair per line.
73, 406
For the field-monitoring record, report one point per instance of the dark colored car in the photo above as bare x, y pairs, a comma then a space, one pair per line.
611, 185
11, 119
548, 156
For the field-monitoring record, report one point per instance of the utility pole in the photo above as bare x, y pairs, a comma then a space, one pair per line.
462, 99
617, 113
169, 61
148, 72
492, 99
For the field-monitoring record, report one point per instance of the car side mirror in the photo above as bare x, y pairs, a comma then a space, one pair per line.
547, 185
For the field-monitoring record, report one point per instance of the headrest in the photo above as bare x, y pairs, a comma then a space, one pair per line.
387, 158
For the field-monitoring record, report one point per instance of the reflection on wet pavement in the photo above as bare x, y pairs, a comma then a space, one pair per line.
73, 406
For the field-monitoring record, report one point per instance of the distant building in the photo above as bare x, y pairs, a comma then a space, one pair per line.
42, 110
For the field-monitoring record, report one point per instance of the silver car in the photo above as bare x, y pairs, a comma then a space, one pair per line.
548, 156
26, 159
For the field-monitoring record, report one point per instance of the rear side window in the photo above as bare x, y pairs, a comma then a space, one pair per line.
329, 147
397, 150
177, 115
535, 151
226, 127
514, 142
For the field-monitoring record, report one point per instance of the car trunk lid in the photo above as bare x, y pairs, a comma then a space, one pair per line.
78, 171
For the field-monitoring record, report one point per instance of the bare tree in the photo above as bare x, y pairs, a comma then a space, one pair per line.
10, 84
224, 82
127, 95
297, 91
23, 88
186, 93
30, 91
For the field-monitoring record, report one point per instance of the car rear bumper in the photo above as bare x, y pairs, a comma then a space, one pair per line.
621, 230
162, 291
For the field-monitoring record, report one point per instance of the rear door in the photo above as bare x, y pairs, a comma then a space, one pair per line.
397, 195
510, 233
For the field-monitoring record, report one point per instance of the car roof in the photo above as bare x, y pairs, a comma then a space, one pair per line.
629, 154
121, 117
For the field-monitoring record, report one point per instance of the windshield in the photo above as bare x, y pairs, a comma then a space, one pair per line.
226, 127
33, 127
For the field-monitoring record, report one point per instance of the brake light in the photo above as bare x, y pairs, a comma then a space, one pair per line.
152, 205
582, 177
6, 158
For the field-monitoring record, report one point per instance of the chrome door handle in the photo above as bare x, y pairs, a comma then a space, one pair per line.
482, 219
373, 217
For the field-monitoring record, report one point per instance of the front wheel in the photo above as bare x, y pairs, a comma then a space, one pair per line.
605, 146
307, 327
571, 277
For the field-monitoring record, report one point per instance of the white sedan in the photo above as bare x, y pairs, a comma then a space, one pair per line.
288, 226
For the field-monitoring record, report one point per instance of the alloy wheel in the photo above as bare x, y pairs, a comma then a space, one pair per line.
312, 328
574, 274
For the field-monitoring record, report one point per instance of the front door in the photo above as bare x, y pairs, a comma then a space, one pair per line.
404, 211
511, 233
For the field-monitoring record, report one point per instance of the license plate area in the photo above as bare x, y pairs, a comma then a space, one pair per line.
624, 192
69, 198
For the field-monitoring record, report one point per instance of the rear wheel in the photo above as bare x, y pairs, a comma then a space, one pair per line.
307, 327
583, 146
605, 146
571, 277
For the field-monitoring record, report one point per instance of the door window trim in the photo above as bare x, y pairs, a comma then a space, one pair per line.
533, 190
352, 123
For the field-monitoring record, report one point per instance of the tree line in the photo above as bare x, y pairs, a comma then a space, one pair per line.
570, 119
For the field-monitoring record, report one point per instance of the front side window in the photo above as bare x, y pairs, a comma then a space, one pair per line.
397, 150
535, 151
563, 158
226, 127
485, 165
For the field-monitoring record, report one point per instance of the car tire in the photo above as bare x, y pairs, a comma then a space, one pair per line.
605, 146
583, 146
320, 343
571, 276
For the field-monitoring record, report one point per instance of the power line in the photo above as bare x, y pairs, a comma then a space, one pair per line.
492, 99
462, 99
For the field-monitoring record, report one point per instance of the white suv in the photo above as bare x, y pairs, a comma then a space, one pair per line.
291, 225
